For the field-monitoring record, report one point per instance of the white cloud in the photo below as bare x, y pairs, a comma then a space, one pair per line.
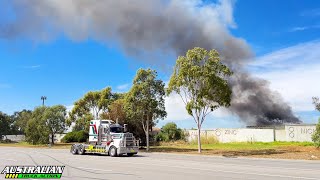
290, 57
299, 29
123, 87
294, 72
311, 12
176, 110
303, 28
69, 108
32, 67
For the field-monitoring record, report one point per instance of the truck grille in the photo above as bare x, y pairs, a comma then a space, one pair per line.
130, 141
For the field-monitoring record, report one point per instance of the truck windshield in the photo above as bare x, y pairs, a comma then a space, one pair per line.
116, 129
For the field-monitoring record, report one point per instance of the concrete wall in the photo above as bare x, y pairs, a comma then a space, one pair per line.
288, 133
299, 133
16, 138
58, 137
280, 135
19, 138
236, 135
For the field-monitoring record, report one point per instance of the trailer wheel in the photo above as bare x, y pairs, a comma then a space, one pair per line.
74, 149
113, 151
81, 149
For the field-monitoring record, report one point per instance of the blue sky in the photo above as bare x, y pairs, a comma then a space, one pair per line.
284, 35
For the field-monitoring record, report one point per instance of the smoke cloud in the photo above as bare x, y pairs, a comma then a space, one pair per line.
152, 27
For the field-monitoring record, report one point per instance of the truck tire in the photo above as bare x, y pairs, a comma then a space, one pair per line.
113, 151
74, 149
81, 149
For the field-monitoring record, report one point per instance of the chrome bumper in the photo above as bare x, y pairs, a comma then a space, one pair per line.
125, 150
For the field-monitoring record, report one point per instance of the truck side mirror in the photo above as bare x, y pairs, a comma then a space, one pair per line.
125, 127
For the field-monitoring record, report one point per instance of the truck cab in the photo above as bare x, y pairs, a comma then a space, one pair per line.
107, 137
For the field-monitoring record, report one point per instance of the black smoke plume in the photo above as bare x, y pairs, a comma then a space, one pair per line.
152, 27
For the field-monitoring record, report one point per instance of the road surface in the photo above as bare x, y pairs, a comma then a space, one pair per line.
154, 166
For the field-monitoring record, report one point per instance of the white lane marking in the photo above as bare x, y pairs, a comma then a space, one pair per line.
232, 164
225, 171
93, 169
9, 160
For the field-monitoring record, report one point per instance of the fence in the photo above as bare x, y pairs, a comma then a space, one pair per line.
299, 133
19, 138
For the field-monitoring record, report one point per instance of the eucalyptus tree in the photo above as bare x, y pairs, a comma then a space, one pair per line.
201, 81
145, 100
92, 105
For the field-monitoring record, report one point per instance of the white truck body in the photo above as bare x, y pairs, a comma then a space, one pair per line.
107, 137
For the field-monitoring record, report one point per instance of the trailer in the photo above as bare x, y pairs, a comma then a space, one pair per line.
107, 137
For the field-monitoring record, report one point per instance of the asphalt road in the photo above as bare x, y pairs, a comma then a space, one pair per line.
153, 166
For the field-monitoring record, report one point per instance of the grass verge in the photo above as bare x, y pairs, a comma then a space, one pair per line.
27, 145
276, 150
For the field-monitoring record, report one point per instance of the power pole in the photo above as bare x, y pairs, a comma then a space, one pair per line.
43, 98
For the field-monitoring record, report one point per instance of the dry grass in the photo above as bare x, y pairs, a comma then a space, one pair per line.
279, 150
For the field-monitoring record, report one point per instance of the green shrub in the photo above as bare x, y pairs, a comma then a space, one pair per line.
316, 136
75, 136
170, 132
69, 137
162, 137
6, 141
81, 136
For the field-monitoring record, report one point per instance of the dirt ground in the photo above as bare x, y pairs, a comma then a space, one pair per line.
290, 152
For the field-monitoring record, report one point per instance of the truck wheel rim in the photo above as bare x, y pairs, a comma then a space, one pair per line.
112, 151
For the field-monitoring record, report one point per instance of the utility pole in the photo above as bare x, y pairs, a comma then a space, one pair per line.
43, 98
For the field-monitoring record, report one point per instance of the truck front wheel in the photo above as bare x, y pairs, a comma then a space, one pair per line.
113, 151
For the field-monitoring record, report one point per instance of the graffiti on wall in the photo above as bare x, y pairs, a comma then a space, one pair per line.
294, 131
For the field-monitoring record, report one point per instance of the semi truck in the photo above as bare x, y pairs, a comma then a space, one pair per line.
107, 137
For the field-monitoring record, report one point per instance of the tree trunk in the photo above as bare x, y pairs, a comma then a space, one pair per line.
147, 133
52, 138
199, 138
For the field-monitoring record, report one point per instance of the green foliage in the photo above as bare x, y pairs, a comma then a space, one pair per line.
316, 103
6, 141
75, 136
116, 111
144, 103
91, 106
55, 120
316, 136
5, 124
201, 80
146, 97
37, 132
20, 120
170, 132
45, 121
179, 146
